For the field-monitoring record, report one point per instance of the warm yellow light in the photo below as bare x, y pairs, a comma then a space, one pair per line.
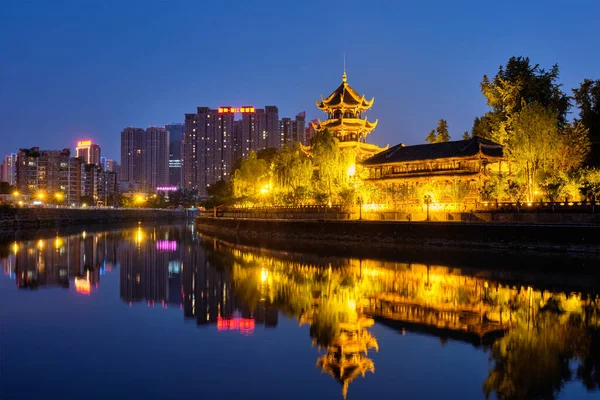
264, 189
59, 196
84, 205
16, 193
264, 274
139, 237
84, 143
352, 170
58, 243
139, 198
352, 304
15, 248
41, 196
41, 244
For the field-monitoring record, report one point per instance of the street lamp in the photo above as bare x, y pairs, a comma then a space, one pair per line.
427, 199
59, 197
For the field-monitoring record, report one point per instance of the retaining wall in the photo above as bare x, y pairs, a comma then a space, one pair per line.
576, 238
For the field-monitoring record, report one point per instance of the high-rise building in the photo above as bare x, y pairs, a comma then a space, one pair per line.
155, 158
45, 173
8, 172
89, 152
272, 122
175, 154
131, 156
292, 130
208, 148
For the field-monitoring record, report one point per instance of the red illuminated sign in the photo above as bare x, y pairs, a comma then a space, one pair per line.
233, 110
244, 325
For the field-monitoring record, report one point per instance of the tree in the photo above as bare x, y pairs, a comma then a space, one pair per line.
251, 177
292, 171
587, 99
440, 134
519, 84
431, 138
329, 161
573, 147
442, 131
220, 193
533, 143
466, 135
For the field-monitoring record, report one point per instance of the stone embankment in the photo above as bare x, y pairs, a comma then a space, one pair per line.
12, 219
514, 236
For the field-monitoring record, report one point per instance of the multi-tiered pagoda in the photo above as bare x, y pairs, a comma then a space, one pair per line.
344, 108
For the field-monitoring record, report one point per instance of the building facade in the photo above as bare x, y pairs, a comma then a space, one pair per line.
89, 152
155, 158
8, 171
131, 156
175, 154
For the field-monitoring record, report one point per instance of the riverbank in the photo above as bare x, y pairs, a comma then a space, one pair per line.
15, 219
514, 237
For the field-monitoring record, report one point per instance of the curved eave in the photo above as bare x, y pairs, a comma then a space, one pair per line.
347, 124
345, 97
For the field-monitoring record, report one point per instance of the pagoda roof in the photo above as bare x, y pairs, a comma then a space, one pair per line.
346, 124
344, 97
455, 149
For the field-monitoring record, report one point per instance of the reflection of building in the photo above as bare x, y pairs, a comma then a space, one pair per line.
57, 261
346, 356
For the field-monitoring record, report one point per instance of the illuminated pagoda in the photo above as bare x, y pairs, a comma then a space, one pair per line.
346, 356
344, 108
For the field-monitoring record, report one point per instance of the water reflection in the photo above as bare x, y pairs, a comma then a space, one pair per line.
540, 331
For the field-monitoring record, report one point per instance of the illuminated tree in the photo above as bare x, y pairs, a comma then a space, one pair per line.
466, 135
587, 99
292, 172
251, 177
431, 138
440, 134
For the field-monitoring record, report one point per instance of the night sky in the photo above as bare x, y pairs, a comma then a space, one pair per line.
86, 69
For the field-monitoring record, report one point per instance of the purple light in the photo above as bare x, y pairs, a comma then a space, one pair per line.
166, 188
166, 245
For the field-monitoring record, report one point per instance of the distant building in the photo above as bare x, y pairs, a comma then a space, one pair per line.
175, 154
144, 158
155, 158
8, 171
131, 156
292, 130
89, 152
46, 173
208, 148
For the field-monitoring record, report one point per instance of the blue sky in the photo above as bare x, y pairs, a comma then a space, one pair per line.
89, 68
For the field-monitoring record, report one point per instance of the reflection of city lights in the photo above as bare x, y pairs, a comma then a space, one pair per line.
139, 236
244, 325
264, 274
58, 243
15, 247
82, 286
166, 245
83, 234
41, 244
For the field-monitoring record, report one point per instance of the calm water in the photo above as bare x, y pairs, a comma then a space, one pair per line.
163, 313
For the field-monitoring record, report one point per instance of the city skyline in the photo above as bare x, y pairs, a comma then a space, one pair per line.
434, 75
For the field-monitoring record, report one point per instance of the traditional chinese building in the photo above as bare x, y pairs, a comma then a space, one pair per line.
344, 108
470, 162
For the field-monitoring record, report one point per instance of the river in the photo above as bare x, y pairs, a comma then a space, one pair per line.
163, 312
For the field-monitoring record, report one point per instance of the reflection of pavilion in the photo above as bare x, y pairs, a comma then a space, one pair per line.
346, 356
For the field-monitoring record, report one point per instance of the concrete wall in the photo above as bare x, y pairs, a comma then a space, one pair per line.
24, 218
576, 238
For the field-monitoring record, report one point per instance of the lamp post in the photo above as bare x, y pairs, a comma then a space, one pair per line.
427, 199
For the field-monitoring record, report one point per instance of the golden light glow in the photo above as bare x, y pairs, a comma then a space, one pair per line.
139, 236
82, 286
84, 143
264, 189
58, 243
15, 248
264, 274
139, 198
41, 196
41, 244
352, 170
16, 193
59, 196
352, 304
